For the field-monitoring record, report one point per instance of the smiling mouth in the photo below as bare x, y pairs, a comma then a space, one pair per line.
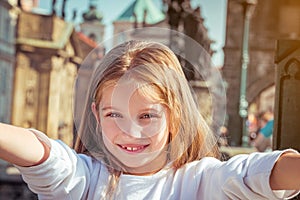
133, 149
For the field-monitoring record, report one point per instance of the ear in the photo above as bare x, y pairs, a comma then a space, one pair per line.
95, 112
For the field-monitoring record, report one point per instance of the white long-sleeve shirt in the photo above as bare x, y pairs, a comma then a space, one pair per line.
66, 175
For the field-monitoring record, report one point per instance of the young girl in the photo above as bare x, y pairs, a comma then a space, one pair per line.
142, 137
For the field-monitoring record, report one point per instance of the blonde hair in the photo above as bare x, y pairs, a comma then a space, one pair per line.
155, 64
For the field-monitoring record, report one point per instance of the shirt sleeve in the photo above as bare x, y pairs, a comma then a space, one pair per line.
246, 177
64, 175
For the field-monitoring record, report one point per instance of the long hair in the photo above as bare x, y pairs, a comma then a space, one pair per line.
190, 137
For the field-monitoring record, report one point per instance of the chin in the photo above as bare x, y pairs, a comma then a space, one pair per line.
145, 165
135, 163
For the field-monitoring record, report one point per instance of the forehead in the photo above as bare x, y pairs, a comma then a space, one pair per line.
127, 93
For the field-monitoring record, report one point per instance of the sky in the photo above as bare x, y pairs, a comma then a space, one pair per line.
213, 12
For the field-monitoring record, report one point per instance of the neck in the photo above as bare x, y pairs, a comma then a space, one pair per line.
149, 168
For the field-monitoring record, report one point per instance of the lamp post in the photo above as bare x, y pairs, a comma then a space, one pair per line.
248, 6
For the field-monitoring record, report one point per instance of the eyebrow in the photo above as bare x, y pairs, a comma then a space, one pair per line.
151, 109
142, 110
108, 108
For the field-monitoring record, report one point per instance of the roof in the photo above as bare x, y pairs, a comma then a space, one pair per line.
86, 40
154, 14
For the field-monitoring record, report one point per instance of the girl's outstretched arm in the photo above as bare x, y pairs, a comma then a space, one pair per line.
21, 147
286, 173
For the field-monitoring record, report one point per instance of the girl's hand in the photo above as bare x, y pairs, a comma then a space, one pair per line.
286, 172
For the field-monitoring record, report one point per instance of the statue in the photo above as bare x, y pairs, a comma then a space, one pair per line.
174, 14
92, 14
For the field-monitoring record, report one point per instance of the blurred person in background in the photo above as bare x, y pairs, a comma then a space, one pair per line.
263, 140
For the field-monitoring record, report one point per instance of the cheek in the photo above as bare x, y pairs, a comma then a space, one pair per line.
160, 140
109, 129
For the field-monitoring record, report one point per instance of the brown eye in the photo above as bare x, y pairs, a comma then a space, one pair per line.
149, 116
146, 116
114, 115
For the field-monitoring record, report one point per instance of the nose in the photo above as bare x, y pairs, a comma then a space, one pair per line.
131, 128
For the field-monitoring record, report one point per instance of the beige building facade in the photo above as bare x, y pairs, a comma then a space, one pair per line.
46, 67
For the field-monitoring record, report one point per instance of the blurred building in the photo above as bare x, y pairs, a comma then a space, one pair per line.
40, 54
139, 14
91, 37
11, 184
287, 101
92, 54
92, 25
282, 22
8, 19
47, 58
176, 32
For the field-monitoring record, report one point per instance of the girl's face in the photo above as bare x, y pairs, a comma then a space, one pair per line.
134, 128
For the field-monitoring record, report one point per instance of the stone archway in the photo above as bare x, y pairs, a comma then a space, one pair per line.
254, 90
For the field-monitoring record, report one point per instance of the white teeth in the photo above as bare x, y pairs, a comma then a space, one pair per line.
132, 148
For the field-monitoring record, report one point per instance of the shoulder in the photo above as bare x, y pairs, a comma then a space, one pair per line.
61, 153
199, 167
256, 161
